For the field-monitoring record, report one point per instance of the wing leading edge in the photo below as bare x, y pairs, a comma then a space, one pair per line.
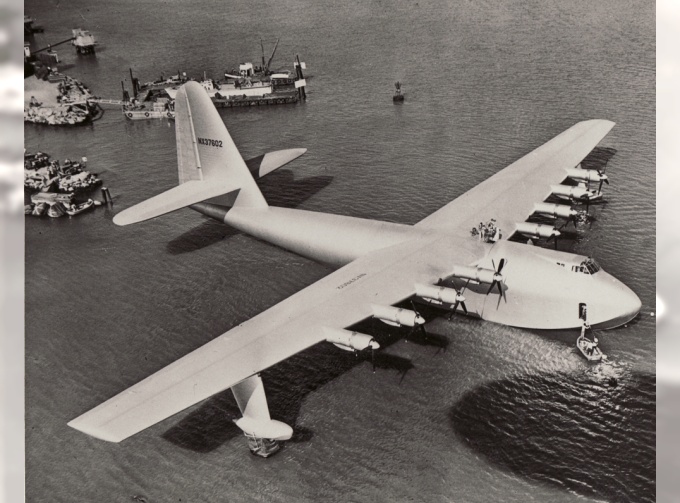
509, 195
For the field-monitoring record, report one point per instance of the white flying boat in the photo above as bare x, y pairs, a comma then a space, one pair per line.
379, 265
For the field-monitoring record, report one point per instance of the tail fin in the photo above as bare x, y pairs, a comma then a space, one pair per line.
209, 163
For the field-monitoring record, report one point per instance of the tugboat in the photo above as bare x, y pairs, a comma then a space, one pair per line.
398, 97
83, 41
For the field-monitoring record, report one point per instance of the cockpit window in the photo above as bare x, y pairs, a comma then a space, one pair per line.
588, 266
591, 265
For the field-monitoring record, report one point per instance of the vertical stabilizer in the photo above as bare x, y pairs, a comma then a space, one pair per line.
205, 150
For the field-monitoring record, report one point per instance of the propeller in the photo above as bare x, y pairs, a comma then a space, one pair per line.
603, 178
373, 345
416, 325
554, 236
497, 277
459, 300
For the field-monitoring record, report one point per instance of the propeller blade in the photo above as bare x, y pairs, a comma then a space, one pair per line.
462, 304
599, 189
500, 289
414, 309
500, 265
373, 358
491, 287
455, 306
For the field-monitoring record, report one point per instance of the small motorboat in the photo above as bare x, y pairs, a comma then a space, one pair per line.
74, 209
589, 349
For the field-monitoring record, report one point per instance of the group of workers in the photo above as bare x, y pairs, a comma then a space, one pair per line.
488, 232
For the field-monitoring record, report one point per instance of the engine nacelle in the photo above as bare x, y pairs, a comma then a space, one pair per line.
537, 230
437, 293
585, 175
478, 274
567, 191
397, 316
350, 341
555, 210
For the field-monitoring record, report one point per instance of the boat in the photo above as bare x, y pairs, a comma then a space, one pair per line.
56, 210
39, 209
250, 85
215, 90
161, 109
83, 41
589, 349
75, 209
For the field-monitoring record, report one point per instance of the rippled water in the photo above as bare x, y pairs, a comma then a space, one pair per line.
442, 419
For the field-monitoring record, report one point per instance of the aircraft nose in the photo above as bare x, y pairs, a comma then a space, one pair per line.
630, 304
623, 303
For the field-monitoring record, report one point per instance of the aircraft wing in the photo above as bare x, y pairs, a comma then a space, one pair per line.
339, 300
509, 195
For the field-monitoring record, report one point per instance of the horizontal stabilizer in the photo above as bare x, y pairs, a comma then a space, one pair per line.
188, 193
265, 164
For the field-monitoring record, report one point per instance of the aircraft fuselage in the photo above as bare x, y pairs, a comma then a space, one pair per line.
542, 288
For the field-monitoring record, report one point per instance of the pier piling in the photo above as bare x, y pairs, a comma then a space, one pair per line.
107, 196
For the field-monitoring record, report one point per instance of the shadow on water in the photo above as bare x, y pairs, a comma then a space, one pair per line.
279, 189
598, 158
578, 432
286, 385
208, 233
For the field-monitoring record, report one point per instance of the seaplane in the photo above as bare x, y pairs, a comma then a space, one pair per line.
380, 266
